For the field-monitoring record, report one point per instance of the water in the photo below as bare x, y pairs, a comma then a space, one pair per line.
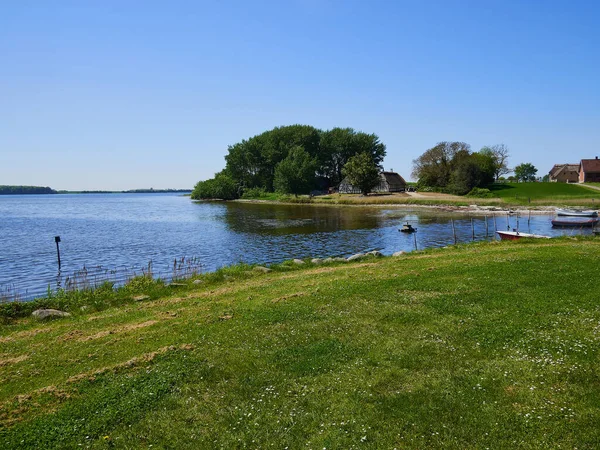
123, 232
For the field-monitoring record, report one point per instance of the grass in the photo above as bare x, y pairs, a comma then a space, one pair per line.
546, 193
481, 345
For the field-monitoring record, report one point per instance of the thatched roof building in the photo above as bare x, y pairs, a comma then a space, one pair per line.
389, 182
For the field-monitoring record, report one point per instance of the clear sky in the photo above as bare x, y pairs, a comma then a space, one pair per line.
137, 94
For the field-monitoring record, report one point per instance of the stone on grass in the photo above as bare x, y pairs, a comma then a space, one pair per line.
316, 260
139, 298
375, 253
42, 314
355, 257
339, 259
398, 254
176, 284
262, 269
198, 282
297, 261
328, 260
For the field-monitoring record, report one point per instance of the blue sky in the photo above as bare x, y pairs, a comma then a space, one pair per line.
134, 94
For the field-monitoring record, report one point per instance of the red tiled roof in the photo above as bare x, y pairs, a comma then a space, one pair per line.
590, 165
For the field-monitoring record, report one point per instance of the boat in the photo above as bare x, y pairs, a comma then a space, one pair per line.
407, 228
581, 223
514, 235
576, 212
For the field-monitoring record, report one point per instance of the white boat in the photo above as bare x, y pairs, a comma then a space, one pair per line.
514, 235
576, 213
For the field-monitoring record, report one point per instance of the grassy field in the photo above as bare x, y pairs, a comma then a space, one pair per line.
489, 345
503, 195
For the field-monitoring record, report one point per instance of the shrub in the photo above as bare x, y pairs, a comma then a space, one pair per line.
480, 193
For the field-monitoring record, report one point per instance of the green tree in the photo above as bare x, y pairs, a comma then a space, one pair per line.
500, 155
222, 187
338, 145
296, 173
434, 167
362, 172
525, 172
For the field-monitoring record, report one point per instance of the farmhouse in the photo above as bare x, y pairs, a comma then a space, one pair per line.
589, 170
389, 182
564, 173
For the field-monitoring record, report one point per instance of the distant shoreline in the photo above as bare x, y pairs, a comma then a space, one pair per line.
34, 190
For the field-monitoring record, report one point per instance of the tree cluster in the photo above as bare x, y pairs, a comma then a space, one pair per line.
291, 159
452, 167
19, 190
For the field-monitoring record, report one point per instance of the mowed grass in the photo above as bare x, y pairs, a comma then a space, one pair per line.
489, 345
545, 193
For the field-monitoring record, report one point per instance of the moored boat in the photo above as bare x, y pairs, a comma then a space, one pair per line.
514, 235
407, 228
576, 212
576, 223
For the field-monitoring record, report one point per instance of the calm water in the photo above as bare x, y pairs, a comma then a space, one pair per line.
126, 231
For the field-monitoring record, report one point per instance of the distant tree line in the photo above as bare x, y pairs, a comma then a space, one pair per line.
291, 159
20, 190
452, 167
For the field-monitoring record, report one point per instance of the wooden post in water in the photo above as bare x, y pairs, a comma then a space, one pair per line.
507, 223
472, 230
486, 226
57, 240
495, 224
453, 231
415, 235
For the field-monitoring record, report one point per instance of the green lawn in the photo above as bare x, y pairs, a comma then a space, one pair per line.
543, 191
489, 345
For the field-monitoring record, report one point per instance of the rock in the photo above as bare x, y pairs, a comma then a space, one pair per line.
298, 261
262, 269
339, 259
375, 253
139, 298
176, 284
355, 257
398, 254
198, 282
328, 260
42, 314
316, 260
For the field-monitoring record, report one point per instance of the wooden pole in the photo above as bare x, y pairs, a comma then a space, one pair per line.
486, 227
472, 230
495, 224
453, 230
415, 235
57, 240
507, 223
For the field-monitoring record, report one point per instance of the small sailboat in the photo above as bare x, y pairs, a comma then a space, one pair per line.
574, 223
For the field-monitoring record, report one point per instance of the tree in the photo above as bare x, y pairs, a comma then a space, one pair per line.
338, 145
525, 172
434, 167
296, 173
362, 172
500, 155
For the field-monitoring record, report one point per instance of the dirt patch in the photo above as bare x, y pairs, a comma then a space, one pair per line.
286, 297
23, 334
121, 329
131, 363
16, 359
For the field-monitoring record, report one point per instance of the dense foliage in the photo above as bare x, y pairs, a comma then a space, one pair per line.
296, 173
222, 187
362, 172
19, 190
452, 167
252, 163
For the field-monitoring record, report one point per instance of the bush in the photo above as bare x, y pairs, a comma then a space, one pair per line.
256, 192
221, 187
480, 193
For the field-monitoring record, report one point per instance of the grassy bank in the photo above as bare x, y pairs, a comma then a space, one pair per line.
505, 195
485, 345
